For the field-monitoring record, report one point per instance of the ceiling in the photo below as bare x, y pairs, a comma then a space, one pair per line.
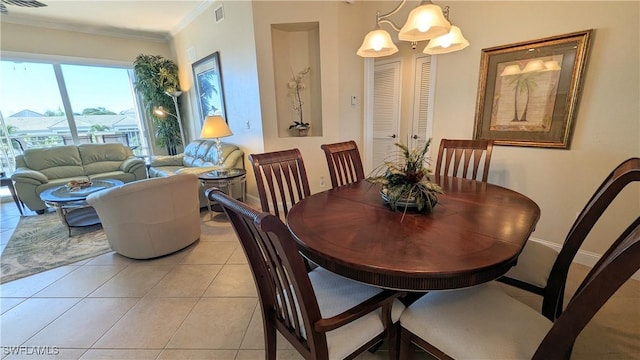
142, 18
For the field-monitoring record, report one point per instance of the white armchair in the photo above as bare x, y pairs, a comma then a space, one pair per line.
150, 218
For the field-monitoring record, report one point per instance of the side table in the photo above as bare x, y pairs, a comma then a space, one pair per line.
5, 181
224, 180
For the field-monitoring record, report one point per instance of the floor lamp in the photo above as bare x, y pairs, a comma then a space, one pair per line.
174, 96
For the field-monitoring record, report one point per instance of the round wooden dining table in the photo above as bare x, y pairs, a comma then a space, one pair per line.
473, 235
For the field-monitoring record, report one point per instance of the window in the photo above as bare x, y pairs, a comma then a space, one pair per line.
52, 104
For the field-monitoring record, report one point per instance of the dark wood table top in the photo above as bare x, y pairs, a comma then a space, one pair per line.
474, 234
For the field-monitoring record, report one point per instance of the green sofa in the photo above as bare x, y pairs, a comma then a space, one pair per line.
44, 168
200, 156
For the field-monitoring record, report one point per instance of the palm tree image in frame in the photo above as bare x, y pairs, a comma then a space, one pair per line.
528, 92
525, 94
207, 76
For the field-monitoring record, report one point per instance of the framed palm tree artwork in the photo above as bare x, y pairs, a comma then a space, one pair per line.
528, 92
207, 77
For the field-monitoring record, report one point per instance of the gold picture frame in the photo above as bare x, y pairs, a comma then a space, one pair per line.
528, 92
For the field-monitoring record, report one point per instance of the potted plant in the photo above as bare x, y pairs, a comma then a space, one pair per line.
302, 127
295, 85
156, 75
406, 183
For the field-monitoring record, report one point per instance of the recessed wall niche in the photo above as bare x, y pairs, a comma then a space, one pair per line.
296, 47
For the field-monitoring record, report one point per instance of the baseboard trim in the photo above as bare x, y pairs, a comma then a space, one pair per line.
583, 257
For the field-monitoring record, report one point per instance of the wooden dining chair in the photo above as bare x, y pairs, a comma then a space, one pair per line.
463, 158
345, 165
484, 322
323, 315
542, 270
281, 179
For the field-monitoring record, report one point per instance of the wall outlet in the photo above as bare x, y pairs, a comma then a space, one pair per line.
353, 100
322, 182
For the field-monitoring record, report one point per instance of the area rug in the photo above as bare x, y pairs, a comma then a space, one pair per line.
42, 243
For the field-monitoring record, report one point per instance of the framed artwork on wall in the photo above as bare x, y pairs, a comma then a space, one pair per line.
207, 77
528, 92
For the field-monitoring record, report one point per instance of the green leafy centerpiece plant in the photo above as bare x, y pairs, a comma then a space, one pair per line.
406, 183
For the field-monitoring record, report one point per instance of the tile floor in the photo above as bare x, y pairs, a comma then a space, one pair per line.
199, 303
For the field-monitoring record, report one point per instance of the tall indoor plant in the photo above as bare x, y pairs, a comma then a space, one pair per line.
156, 75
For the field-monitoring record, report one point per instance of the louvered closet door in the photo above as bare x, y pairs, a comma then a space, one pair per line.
422, 104
386, 115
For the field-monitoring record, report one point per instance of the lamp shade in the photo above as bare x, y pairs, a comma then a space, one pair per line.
215, 127
377, 43
424, 23
450, 42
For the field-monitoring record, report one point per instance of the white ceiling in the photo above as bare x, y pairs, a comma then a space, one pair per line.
146, 18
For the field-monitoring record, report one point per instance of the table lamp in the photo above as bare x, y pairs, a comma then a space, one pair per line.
215, 127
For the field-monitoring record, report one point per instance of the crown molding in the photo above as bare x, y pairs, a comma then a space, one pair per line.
197, 11
86, 28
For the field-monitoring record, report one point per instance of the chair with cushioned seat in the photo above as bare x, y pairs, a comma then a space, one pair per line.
345, 165
150, 218
281, 179
541, 269
323, 315
484, 322
455, 158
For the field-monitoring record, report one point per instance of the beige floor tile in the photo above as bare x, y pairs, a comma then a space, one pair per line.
170, 259
210, 253
254, 336
26, 319
9, 303
30, 285
170, 354
148, 325
84, 323
81, 282
120, 354
259, 355
111, 258
215, 323
232, 281
238, 257
186, 281
134, 281
614, 329
45, 352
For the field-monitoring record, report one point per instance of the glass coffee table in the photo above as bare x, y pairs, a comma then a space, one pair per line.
224, 180
71, 205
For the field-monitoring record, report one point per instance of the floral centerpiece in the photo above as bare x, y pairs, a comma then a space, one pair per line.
295, 85
406, 182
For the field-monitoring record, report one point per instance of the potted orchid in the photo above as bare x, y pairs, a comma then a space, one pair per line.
295, 85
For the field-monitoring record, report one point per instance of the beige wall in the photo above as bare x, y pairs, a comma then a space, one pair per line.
37, 40
233, 38
607, 126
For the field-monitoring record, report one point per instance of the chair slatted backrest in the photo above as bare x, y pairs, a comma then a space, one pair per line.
281, 179
280, 276
627, 172
615, 267
462, 158
345, 165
